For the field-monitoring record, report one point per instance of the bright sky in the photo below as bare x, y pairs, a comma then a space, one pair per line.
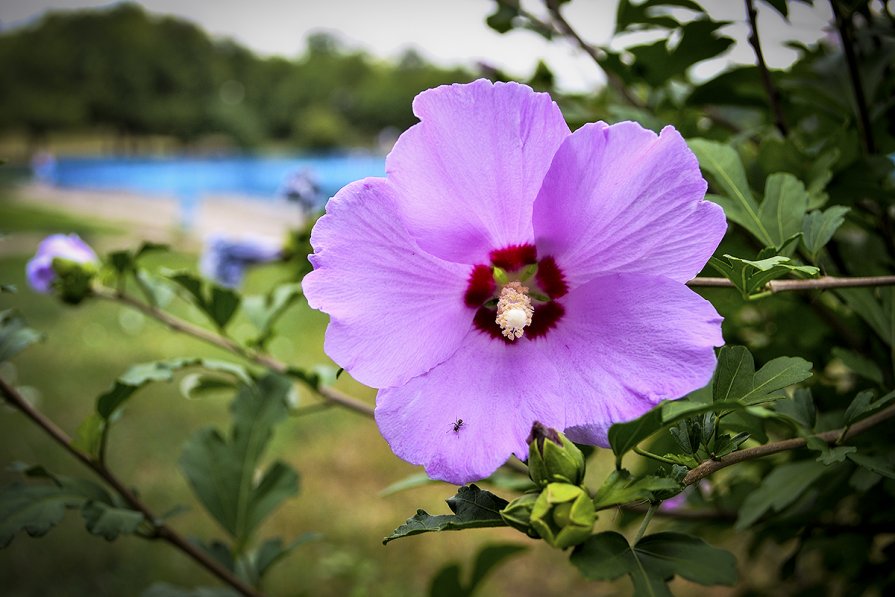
448, 32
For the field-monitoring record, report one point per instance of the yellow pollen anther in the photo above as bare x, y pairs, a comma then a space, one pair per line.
514, 310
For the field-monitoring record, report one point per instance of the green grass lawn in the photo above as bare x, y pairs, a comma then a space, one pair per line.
342, 460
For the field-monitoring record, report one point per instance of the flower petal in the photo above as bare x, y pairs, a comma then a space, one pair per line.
487, 384
467, 175
626, 342
395, 310
622, 199
639, 339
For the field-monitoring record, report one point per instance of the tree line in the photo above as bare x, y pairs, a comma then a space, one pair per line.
133, 73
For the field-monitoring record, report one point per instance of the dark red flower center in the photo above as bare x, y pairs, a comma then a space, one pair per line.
548, 283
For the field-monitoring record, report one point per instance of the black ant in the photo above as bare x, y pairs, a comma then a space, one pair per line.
456, 425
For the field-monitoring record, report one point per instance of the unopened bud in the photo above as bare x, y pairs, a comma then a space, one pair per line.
517, 514
563, 515
553, 458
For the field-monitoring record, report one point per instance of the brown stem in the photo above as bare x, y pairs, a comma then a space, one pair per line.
162, 531
792, 285
710, 466
209, 337
843, 25
766, 81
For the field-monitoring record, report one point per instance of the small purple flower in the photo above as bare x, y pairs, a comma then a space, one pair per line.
508, 271
39, 270
225, 260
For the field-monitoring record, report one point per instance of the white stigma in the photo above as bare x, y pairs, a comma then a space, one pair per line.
514, 310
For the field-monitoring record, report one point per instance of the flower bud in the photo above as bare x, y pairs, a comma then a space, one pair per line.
553, 458
517, 514
64, 263
563, 515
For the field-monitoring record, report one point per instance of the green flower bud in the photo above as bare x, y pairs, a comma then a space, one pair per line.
563, 515
517, 514
553, 458
73, 279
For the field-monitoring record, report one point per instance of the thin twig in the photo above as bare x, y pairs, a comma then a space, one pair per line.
161, 530
209, 337
711, 466
793, 285
843, 25
766, 81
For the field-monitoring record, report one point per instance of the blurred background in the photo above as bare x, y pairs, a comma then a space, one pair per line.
176, 121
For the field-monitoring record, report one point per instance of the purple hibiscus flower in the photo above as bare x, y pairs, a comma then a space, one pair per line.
39, 270
508, 271
225, 260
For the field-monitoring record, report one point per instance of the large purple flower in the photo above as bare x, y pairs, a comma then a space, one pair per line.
508, 271
39, 270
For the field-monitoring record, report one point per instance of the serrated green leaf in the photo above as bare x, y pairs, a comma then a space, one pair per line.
779, 489
622, 488
654, 561
472, 508
725, 168
777, 374
828, 454
108, 521
733, 374
819, 227
784, 205
221, 470
863, 406
36, 508
750, 277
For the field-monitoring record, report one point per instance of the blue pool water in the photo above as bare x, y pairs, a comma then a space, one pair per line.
190, 178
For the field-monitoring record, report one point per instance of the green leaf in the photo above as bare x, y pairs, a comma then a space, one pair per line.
36, 508
264, 311
272, 551
222, 305
141, 374
862, 406
221, 470
800, 409
874, 464
163, 589
447, 582
623, 488
15, 335
734, 374
722, 163
751, 277
860, 365
8, 288
409, 482
777, 374
875, 306
818, 228
829, 455
501, 20
779, 489
108, 521
784, 206
217, 302
472, 508
624, 436
89, 435
654, 561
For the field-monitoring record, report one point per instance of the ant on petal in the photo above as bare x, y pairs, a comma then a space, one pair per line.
456, 425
